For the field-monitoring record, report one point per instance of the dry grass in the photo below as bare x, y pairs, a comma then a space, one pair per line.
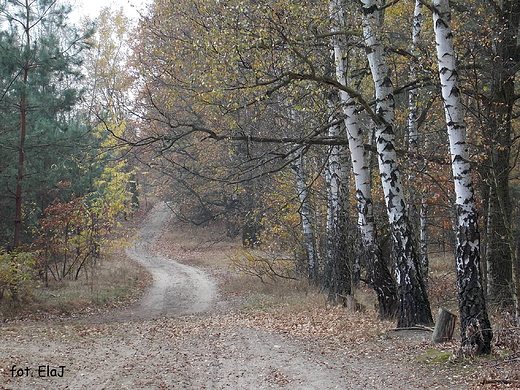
206, 248
442, 282
286, 306
116, 281
198, 246
502, 369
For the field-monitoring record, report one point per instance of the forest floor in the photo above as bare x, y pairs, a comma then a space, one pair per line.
202, 326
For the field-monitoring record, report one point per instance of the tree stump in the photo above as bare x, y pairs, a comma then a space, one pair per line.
351, 303
444, 327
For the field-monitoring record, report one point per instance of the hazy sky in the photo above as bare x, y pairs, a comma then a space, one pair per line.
92, 7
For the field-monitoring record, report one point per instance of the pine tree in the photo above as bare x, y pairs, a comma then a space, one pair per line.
38, 96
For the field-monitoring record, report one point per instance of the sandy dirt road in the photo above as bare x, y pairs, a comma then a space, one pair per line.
172, 339
177, 288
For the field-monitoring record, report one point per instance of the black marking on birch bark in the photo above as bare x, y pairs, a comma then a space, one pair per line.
469, 201
394, 178
454, 91
443, 70
454, 74
388, 147
391, 197
369, 10
387, 82
440, 22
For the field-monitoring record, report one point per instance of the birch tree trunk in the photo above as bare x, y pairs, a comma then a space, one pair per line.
338, 264
424, 261
475, 328
379, 276
413, 95
413, 140
414, 307
309, 239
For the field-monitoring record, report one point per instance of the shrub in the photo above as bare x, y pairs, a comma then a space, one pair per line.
16, 274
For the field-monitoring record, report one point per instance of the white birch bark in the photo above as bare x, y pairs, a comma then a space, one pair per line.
413, 138
385, 137
338, 267
423, 236
414, 307
355, 135
309, 241
475, 326
383, 284
413, 95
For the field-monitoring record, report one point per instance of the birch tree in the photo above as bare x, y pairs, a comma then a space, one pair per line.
307, 217
379, 276
413, 138
414, 307
475, 327
413, 95
338, 273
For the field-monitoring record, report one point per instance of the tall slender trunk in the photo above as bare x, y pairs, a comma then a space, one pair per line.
18, 218
498, 254
338, 263
516, 275
309, 237
475, 328
498, 132
424, 261
413, 141
379, 276
413, 95
414, 307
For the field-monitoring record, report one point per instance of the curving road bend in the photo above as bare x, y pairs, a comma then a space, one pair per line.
177, 288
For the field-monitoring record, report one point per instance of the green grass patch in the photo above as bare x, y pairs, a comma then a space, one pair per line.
433, 355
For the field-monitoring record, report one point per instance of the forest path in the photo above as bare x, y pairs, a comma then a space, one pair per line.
177, 288
172, 340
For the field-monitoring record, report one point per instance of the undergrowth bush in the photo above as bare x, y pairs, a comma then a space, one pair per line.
16, 275
265, 265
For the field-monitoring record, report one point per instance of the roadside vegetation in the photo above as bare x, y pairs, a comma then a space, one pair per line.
114, 281
304, 149
117, 282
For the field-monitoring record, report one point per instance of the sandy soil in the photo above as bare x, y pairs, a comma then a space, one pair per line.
177, 288
174, 338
